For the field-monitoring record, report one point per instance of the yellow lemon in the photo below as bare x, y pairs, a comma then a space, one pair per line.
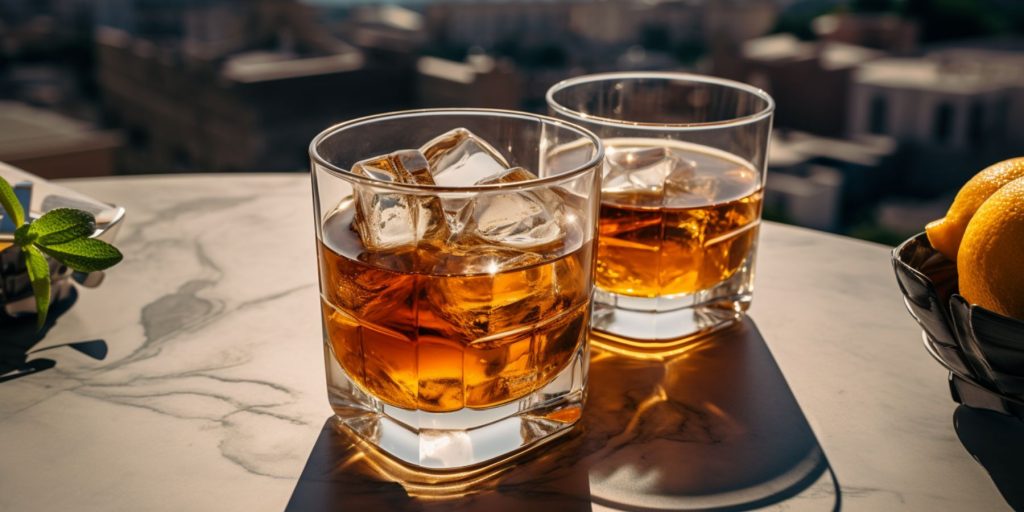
946, 233
992, 252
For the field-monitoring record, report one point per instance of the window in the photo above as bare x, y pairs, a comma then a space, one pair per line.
943, 127
999, 124
976, 123
879, 116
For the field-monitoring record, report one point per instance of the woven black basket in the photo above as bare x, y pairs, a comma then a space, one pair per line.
983, 350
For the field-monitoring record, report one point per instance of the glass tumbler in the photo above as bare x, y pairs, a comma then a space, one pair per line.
456, 297
681, 199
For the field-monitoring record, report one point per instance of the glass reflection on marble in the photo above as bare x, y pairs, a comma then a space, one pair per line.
715, 427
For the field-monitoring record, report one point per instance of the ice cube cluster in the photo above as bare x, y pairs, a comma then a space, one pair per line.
390, 221
659, 176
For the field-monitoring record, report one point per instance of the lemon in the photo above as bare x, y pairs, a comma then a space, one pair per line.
946, 233
992, 251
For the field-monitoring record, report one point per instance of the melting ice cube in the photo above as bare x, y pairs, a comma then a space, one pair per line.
459, 158
521, 219
685, 186
388, 220
639, 169
652, 173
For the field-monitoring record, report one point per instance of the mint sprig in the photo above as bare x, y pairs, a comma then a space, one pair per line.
10, 203
39, 276
63, 234
59, 226
84, 254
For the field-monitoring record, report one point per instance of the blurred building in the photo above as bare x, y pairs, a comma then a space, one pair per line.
821, 182
40, 84
388, 33
51, 145
234, 85
480, 81
810, 81
45, 55
626, 23
812, 200
729, 23
905, 217
882, 31
927, 101
584, 33
36, 26
955, 107
489, 24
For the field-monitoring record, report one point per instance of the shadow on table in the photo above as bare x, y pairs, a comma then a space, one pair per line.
18, 336
997, 442
713, 428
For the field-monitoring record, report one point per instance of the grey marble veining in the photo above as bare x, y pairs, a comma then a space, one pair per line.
211, 396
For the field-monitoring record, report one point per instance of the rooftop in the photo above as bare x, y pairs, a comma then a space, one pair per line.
455, 71
786, 47
28, 132
926, 74
787, 149
261, 66
777, 47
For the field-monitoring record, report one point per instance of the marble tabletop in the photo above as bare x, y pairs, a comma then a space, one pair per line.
193, 379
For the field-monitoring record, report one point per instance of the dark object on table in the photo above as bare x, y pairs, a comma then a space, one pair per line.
997, 442
983, 350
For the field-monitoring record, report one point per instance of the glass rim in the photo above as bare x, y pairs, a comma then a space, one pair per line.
591, 163
676, 76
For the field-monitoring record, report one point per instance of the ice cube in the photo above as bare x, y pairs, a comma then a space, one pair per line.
685, 186
521, 219
506, 290
460, 158
387, 220
641, 170
403, 166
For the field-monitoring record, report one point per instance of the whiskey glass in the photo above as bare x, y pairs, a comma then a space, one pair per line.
681, 200
458, 338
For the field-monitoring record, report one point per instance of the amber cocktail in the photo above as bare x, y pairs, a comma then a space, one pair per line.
681, 199
456, 280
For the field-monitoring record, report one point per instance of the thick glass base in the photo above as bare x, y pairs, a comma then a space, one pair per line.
462, 441
663, 323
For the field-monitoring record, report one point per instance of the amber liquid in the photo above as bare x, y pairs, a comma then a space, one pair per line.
441, 330
654, 245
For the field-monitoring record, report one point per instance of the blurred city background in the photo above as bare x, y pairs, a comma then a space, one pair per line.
885, 107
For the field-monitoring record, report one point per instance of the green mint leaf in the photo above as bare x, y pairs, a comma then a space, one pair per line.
61, 225
39, 276
84, 254
10, 203
22, 236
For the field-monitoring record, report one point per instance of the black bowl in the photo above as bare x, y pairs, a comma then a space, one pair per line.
983, 350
